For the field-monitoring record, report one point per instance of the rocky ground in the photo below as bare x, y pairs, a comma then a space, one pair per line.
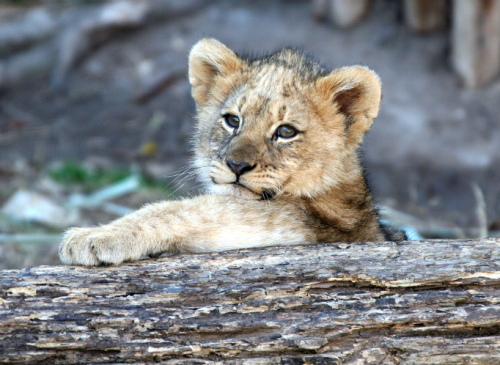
118, 97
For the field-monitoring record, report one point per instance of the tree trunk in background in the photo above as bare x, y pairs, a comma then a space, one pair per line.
320, 9
425, 15
346, 13
476, 40
428, 302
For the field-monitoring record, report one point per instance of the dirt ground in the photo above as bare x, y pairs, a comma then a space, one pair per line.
432, 141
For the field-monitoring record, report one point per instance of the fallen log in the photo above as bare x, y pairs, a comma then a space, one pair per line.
416, 302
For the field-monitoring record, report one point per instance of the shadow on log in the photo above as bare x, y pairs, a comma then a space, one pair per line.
428, 302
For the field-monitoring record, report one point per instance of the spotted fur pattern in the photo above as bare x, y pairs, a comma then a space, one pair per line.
276, 146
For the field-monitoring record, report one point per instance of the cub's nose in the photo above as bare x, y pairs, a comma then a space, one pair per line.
239, 168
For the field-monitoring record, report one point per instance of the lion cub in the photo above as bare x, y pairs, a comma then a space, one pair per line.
276, 148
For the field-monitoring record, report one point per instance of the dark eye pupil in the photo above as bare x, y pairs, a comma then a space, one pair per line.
232, 120
286, 131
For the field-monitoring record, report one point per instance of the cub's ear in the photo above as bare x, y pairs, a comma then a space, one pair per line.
356, 93
209, 58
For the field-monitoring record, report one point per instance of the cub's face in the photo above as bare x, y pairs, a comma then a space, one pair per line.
276, 126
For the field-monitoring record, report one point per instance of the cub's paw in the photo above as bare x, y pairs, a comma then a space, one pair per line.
97, 246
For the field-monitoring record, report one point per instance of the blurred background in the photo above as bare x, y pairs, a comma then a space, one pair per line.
96, 112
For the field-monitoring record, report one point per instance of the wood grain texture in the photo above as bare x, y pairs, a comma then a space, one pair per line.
429, 302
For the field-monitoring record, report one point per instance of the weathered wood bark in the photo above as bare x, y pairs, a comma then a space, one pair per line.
430, 302
476, 40
425, 15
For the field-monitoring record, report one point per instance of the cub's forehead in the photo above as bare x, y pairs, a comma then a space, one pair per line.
267, 96
270, 84
273, 79
278, 86
269, 108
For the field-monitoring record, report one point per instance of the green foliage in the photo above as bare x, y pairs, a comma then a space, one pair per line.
73, 174
18, 2
151, 183
79, 1
32, 2
69, 173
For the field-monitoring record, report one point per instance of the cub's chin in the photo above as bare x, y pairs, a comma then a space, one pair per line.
235, 190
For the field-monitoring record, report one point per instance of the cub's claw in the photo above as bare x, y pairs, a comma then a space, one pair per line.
97, 246
77, 249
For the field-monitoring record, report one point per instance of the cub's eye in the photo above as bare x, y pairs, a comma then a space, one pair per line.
286, 131
232, 120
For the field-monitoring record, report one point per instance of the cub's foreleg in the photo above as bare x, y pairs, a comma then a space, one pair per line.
202, 224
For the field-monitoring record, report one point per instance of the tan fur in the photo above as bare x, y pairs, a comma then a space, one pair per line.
306, 189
